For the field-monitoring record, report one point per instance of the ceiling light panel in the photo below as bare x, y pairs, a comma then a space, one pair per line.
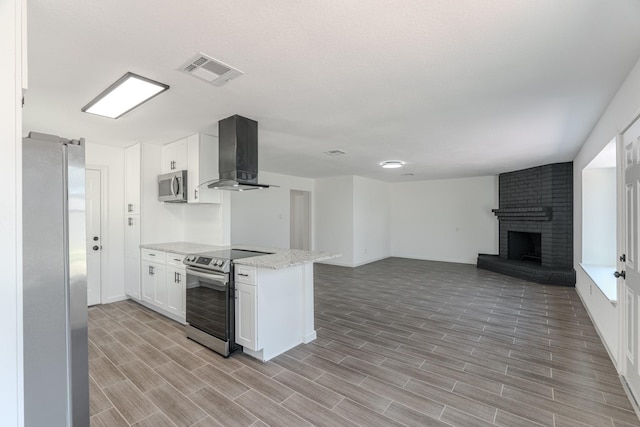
130, 91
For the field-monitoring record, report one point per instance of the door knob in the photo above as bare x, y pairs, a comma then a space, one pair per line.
620, 274
95, 248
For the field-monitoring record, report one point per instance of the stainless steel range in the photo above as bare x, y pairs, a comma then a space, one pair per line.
210, 305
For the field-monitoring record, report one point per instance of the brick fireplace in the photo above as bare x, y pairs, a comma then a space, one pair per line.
536, 225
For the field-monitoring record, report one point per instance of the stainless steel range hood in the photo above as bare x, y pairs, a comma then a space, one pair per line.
238, 155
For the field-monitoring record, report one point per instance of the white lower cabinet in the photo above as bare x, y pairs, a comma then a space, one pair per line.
274, 309
246, 316
132, 276
154, 287
132, 256
176, 289
163, 283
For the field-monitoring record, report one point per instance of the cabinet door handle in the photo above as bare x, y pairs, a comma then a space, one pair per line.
178, 277
151, 272
243, 275
130, 221
195, 194
129, 207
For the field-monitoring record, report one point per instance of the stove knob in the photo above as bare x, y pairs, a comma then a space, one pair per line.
219, 262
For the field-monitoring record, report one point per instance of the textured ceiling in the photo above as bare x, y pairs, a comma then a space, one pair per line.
454, 88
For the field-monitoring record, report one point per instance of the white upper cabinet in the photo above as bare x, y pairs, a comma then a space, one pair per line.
132, 180
202, 162
174, 156
198, 154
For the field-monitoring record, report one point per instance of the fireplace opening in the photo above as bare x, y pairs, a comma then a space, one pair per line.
525, 246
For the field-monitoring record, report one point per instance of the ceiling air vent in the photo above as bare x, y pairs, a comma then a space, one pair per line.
210, 70
334, 153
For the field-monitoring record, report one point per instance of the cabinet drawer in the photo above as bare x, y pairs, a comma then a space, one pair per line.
175, 260
154, 256
245, 274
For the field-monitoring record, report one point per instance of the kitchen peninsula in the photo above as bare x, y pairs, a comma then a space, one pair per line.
273, 292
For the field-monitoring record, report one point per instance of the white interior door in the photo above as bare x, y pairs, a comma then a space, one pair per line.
94, 236
631, 293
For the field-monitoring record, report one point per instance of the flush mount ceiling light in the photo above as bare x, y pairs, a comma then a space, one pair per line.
124, 95
392, 164
335, 152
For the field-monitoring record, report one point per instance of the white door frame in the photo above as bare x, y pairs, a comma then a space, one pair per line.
620, 248
104, 221
620, 245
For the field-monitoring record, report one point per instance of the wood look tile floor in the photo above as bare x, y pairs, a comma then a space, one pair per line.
400, 342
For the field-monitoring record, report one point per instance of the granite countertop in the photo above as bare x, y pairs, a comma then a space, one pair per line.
183, 248
276, 259
281, 258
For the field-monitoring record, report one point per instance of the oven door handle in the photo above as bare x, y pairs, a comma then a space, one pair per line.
212, 280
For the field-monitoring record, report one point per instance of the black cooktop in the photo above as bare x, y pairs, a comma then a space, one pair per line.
232, 254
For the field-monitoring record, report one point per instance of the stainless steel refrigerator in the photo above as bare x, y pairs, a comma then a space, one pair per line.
56, 366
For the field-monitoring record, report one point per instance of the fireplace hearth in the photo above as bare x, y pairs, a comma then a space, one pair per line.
536, 225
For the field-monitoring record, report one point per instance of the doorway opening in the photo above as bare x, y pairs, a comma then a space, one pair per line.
300, 225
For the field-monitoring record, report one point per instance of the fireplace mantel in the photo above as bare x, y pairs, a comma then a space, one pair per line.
538, 213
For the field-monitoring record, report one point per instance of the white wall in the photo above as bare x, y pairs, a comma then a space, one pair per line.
159, 222
111, 161
334, 218
444, 220
371, 220
618, 114
11, 369
172, 222
207, 223
262, 217
599, 216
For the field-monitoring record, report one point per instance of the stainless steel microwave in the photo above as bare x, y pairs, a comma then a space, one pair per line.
172, 187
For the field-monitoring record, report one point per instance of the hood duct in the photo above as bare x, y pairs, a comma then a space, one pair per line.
238, 155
